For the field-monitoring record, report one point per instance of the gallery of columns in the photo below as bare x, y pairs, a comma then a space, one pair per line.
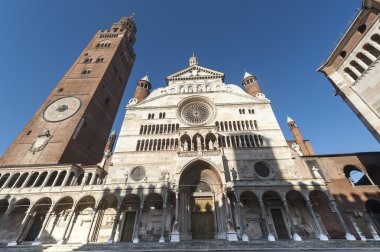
199, 206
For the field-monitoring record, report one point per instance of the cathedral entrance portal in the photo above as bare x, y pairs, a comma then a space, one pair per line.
202, 218
202, 214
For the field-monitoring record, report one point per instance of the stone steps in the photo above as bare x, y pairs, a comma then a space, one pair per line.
212, 245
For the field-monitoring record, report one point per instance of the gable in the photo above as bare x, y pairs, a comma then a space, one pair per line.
195, 72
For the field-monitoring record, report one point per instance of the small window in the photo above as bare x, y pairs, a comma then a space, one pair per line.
86, 71
262, 169
356, 176
362, 28
99, 60
60, 90
138, 174
342, 54
107, 101
28, 132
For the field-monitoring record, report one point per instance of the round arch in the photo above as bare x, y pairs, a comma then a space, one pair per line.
197, 171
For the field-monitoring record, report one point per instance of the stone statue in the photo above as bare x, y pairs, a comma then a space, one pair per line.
316, 172
297, 149
126, 175
210, 145
105, 179
199, 144
185, 146
167, 176
234, 174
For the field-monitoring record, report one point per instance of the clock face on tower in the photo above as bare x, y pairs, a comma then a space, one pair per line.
62, 109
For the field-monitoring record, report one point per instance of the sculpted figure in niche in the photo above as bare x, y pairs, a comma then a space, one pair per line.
234, 174
316, 172
185, 146
199, 144
210, 145
167, 176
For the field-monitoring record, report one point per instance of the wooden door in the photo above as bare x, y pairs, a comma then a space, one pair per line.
202, 225
129, 224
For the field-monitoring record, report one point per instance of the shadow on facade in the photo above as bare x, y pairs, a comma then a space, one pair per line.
252, 197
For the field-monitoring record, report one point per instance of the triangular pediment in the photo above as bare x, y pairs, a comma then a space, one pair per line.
195, 72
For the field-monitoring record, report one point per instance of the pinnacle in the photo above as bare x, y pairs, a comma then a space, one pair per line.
288, 119
145, 78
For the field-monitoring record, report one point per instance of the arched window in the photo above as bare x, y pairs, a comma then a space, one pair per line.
372, 50
87, 60
350, 73
356, 176
99, 59
357, 66
86, 71
376, 38
362, 28
138, 145
163, 115
364, 58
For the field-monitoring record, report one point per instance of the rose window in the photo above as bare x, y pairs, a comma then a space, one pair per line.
196, 110
196, 113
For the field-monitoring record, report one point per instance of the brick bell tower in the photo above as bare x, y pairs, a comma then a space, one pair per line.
304, 145
251, 85
143, 88
74, 122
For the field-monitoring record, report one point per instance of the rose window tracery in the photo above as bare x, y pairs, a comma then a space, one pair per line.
196, 111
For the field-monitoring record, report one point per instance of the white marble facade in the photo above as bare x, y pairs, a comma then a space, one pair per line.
197, 159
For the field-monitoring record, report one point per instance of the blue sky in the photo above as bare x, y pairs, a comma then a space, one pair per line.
280, 42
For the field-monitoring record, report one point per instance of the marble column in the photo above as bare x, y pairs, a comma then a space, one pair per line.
47, 217
265, 217
335, 209
370, 56
65, 179
321, 235
17, 180
231, 232
115, 223
137, 226
175, 237
361, 63
46, 179
21, 230
244, 235
376, 45
95, 211
7, 181
27, 180
353, 69
71, 214
84, 179
164, 208
93, 178
293, 230
56, 179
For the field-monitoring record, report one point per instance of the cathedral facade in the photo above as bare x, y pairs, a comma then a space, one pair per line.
196, 159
